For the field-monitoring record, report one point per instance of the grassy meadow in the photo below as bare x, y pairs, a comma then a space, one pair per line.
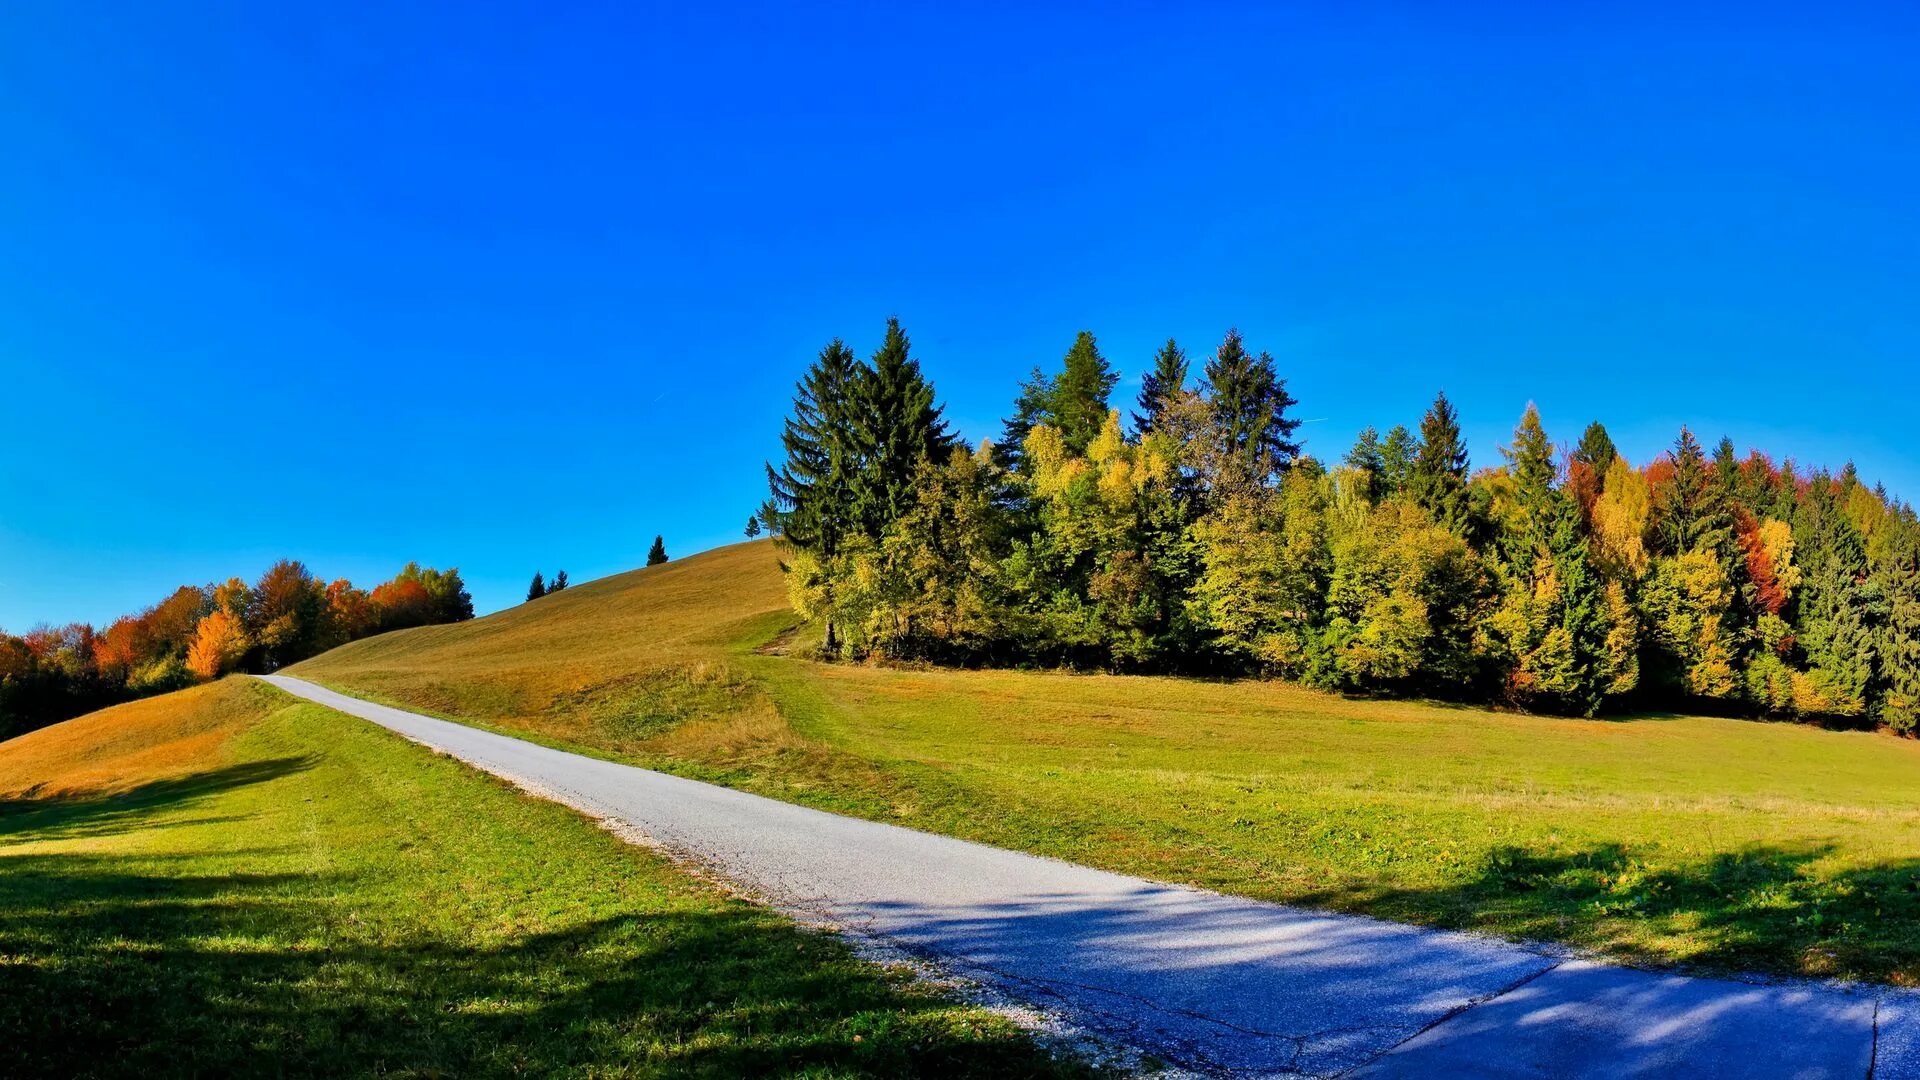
224, 881
1720, 844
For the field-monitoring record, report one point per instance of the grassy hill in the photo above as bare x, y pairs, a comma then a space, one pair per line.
1720, 843
225, 881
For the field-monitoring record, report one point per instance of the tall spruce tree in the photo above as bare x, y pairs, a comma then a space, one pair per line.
1160, 386
657, 554
811, 502
1366, 458
1438, 479
1691, 509
559, 583
1032, 406
1897, 644
753, 526
1595, 449
896, 423
1080, 393
1249, 402
539, 587
1833, 608
1397, 453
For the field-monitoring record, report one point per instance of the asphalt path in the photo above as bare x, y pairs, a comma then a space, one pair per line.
1211, 984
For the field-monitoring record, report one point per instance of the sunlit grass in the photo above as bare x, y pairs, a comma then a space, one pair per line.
227, 882
1723, 843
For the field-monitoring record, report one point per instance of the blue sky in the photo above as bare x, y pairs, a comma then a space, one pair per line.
517, 287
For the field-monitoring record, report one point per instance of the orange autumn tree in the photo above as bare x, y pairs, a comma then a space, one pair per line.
218, 644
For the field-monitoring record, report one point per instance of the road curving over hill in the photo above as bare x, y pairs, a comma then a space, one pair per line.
1210, 983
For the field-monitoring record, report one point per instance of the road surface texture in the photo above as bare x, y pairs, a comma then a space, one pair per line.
1211, 984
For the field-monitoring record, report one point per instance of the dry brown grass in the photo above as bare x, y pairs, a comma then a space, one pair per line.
120, 748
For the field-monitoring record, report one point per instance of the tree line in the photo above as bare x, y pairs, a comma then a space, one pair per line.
1198, 536
51, 674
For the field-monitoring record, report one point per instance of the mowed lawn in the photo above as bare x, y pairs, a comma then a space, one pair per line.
224, 881
1723, 844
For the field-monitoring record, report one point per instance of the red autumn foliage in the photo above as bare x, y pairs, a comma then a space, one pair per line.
1769, 595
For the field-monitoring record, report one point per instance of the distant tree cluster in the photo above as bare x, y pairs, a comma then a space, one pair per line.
542, 587
1200, 538
50, 674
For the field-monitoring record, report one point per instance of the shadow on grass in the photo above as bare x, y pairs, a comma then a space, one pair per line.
61, 817
1761, 909
112, 965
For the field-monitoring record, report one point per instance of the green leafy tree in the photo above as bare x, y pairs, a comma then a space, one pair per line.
753, 527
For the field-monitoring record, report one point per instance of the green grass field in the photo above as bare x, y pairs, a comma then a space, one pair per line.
1721, 844
226, 882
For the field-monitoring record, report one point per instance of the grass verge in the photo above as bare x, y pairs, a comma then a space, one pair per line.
225, 881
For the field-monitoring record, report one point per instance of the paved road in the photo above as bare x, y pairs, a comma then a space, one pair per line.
1215, 984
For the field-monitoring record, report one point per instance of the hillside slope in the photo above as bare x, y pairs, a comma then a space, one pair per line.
225, 881
1722, 843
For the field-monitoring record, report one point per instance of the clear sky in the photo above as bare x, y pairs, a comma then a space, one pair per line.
517, 287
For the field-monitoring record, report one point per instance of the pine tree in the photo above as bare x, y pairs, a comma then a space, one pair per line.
753, 526
896, 423
1249, 404
1691, 510
1161, 385
1832, 610
1032, 405
1438, 479
539, 587
657, 554
559, 583
1081, 391
1366, 458
1531, 458
1897, 644
810, 506
1397, 454
1596, 450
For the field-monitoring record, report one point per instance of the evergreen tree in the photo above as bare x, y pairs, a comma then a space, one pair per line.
1161, 385
1691, 510
1897, 644
657, 554
811, 505
1596, 450
896, 423
1833, 608
1249, 404
1081, 391
539, 587
1032, 405
1438, 479
559, 582
1366, 458
1397, 454
753, 526
1531, 458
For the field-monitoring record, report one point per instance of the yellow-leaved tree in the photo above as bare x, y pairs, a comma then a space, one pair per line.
218, 644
